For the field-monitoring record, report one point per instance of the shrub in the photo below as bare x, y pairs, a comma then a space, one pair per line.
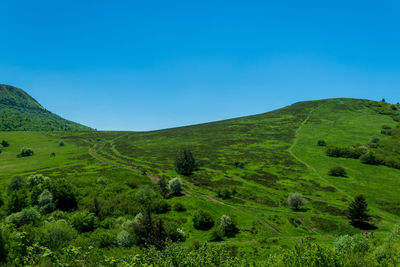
160, 206
56, 234
370, 158
26, 152
163, 187
176, 234
239, 164
337, 171
61, 143
375, 140
296, 200
178, 206
63, 194
131, 183
124, 239
17, 201
52, 154
84, 221
101, 180
216, 235
37, 179
185, 163
351, 244
321, 143
45, 201
175, 186
227, 226
203, 220
17, 183
26, 216
4, 143
224, 193
344, 152
104, 239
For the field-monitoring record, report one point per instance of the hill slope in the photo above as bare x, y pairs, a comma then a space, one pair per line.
20, 112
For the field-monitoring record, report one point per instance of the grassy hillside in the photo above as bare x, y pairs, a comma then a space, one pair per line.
20, 112
278, 155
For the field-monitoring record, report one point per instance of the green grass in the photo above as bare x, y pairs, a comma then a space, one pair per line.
280, 155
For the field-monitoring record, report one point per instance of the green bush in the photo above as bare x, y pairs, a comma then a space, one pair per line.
56, 234
124, 239
17, 201
61, 143
160, 206
64, 194
178, 206
337, 171
84, 221
345, 152
37, 179
175, 186
321, 143
104, 238
17, 183
296, 200
46, 203
351, 244
4, 143
26, 152
25, 216
203, 220
370, 158
227, 226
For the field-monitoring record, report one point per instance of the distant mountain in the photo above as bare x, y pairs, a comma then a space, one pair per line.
20, 112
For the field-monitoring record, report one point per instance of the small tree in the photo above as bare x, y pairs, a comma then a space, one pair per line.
337, 171
358, 211
175, 186
4, 143
26, 152
227, 226
321, 143
61, 143
185, 163
369, 158
45, 201
163, 187
203, 220
296, 200
124, 239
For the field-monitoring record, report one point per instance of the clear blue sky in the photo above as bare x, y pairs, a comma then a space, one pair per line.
142, 65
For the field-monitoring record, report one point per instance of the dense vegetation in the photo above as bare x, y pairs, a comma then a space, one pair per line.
118, 198
20, 112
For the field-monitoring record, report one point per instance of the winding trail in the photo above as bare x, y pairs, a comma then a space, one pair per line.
296, 139
156, 179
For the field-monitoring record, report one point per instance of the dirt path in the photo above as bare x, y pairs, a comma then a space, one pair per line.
156, 179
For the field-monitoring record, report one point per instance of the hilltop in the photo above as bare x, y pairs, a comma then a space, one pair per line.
247, 168
20, 112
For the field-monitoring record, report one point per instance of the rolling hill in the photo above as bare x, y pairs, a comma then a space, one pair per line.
20, 112
247, 168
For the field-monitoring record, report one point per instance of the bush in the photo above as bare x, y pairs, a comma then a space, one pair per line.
375, 140
337, 171
104, 239
370, 158
185, 163
296, 200
64, 194
216, 235
17, 201
131, 183
163, 187
224, 193
84, 221
37, 179
321, 143
351, 244
46, 203
26, 152
124, 239
160, 206
175, 186
17, 183
227, 226
56, 234
203, 220
101, 180
174, 233
178, 206
344, 152
61, 143
26, 216
4, 143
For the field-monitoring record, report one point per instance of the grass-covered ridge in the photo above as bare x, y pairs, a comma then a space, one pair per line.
247, 169
20, 112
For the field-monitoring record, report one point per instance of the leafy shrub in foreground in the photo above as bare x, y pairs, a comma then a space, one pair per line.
337, 171
203, 220
56, 234
26, 216
352, 244
84, 221
296, 200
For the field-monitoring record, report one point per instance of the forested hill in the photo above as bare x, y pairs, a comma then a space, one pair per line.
20, 112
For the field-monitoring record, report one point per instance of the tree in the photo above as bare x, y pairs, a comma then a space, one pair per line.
175, 186
17, 183
124, 239
185, 163
45, 201
163, 187
4, 143
227, 226
369, 158
296, 200
337, 171
17, 201
158, 235
358, 211
26, 152
84, 221
64, 194
3, 252
203, 220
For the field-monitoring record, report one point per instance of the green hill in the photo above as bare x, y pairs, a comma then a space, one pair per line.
247, 168
20, 112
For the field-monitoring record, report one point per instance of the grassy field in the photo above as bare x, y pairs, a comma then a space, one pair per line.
278, 150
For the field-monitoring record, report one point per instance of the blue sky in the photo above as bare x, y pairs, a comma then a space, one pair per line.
143, 65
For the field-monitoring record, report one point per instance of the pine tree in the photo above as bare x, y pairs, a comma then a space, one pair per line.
358, 209
185, 163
